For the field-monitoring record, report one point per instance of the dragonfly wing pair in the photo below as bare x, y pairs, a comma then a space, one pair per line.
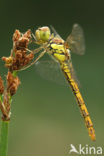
50, 70
76, 40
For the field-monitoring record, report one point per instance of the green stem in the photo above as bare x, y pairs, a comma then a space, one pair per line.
4, 138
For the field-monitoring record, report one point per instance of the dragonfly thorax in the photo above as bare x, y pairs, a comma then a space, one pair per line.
58, 50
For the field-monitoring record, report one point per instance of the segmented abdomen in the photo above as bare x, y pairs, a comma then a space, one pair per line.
80, 101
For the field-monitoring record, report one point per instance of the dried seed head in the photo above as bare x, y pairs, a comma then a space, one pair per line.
21, 41
5, 108
19, 56
29, 57
16, 35
12, 83
1, 86
21, 44
27, 34
8, 60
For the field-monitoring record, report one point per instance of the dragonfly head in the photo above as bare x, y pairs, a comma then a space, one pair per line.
42, 34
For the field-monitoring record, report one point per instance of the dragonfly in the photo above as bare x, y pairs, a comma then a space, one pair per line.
60, 51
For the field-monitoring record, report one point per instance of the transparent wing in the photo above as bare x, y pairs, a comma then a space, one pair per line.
55, 32
76, 40
50, 70
73, 73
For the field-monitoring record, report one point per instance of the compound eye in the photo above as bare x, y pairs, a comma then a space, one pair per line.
42, 34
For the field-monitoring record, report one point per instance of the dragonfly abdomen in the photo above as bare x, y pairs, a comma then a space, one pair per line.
80, 101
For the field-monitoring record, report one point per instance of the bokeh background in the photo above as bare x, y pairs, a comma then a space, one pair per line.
45, 118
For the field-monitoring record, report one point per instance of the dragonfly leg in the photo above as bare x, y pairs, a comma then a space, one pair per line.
35, 51
33, 37
41, 55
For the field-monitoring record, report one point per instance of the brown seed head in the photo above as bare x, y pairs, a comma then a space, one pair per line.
21, 41
8, 60
12, 83
1, 86
19, 56
27, 34
16, 35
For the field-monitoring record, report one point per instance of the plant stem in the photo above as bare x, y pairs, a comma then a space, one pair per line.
4, 138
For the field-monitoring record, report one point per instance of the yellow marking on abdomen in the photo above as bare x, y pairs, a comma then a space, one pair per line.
80, 101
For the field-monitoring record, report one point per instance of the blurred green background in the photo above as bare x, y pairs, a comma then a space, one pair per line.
45, 118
